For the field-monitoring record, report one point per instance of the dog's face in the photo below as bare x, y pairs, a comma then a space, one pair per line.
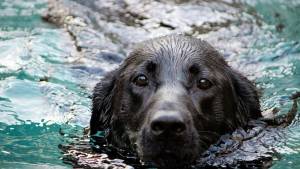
170, 99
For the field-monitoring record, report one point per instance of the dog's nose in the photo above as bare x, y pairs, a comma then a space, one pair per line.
167, 124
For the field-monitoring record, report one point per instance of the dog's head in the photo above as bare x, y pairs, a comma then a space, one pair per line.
170, 99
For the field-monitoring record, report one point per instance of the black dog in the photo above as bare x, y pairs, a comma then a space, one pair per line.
170, 99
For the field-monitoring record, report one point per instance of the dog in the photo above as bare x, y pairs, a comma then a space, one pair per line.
170, 99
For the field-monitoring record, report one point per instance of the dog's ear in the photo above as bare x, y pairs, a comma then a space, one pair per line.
246, 96
102, 102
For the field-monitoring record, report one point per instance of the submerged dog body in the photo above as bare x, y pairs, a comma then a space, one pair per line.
170, 99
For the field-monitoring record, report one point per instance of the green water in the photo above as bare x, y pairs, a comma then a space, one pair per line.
44, 102
33, 111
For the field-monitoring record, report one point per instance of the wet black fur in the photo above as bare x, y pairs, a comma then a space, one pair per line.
173, 65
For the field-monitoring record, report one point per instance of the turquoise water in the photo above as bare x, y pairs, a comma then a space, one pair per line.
45, 102
39, 93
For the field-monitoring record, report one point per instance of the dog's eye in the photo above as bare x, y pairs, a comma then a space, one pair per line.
204, 84
141, 80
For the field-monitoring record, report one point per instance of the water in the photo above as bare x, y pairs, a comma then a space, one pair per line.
46, 77
32, 110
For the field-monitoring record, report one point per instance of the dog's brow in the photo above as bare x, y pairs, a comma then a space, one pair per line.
195, 69
150, 65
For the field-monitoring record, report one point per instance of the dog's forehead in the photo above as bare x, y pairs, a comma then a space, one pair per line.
176, 53
180, 50
176, 49
173, 47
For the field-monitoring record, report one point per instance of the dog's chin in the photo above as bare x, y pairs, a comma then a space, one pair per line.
167, 159
170, 155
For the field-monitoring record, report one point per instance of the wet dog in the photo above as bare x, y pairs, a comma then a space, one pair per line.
170, 99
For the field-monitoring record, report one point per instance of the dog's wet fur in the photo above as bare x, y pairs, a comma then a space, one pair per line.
170, 99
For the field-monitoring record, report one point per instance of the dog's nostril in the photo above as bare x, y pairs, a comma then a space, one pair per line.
178, 127
157, 126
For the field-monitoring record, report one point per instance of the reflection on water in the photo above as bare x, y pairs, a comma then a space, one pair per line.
47, 73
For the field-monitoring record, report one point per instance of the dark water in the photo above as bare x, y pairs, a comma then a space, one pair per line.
47, 72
